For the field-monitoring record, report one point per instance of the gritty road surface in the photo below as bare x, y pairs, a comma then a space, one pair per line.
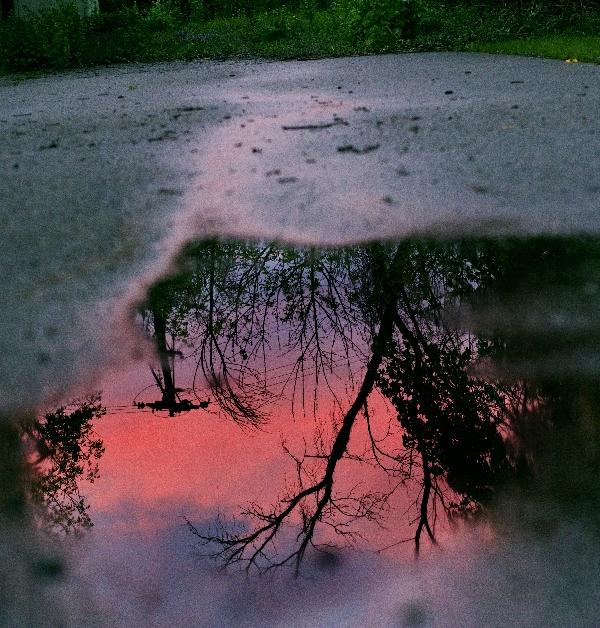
106, 172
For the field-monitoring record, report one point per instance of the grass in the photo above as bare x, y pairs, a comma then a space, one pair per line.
580, 47
58, 39
279, 34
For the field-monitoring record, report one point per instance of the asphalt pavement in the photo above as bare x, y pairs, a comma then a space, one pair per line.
106, 172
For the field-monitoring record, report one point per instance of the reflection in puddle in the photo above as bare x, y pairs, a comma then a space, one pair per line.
262, 322
403, 384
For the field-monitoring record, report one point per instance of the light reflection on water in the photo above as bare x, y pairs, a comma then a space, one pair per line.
328, 391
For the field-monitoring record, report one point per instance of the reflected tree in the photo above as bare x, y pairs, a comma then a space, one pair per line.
236, 306
63, 451
451, 422
386, 307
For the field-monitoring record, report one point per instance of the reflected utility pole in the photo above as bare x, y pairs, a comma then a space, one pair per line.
171, 400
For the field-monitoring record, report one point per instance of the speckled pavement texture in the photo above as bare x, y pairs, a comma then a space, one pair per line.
104, 173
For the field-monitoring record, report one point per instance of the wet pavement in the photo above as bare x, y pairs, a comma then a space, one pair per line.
107, 173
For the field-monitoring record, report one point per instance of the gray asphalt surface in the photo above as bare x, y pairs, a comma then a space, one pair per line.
106, 172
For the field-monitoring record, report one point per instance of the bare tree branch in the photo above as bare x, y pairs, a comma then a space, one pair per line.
251, 547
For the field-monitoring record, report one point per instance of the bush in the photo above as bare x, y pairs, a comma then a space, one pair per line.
378, 24
52, 39
276, 25
114, 6
223, 9
115, 21
160, 16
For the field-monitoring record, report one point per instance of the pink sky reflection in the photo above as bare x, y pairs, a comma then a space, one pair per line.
157, 470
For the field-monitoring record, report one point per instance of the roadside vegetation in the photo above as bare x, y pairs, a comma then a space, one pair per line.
160, 30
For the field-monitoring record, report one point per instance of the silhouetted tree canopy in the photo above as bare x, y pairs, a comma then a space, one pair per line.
389, 315
64, 450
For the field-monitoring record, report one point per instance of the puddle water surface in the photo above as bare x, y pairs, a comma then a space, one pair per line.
332, 413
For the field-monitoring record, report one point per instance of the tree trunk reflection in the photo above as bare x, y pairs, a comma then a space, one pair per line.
386, 313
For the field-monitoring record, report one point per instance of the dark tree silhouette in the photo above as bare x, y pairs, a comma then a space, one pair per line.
237, 306
213, 308
387, 313
63, 450
250, 548
451, 422
385, 306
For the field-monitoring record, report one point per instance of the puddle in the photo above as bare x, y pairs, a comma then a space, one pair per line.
483, 354
327, 413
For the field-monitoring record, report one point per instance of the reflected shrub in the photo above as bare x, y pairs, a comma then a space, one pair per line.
63, 450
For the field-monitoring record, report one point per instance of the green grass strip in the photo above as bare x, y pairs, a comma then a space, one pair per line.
582, 48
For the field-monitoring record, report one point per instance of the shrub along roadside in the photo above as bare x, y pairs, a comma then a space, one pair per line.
158, 30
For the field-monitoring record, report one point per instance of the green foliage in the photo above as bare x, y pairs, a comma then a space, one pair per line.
53, 39
582, 48
160, 16
380, 23
224, 9
58, 38
160, 30
279, 24
66, 449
